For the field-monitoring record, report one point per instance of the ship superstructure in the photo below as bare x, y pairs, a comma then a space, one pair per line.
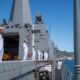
41, 34
16, 30
19, 27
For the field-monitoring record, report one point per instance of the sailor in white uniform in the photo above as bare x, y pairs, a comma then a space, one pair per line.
33, 53
45, 55
59, 65
39, 55
1, 44
25, 50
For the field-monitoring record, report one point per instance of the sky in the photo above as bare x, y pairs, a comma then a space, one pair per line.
58, 17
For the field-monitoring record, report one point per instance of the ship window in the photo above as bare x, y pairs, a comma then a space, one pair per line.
11, 46
17, 25
36, 31
41, 34
12, 26
36, 41
20, 26
7, 26
26, 25
46, 31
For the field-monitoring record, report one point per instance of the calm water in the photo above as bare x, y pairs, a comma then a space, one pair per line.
70, 65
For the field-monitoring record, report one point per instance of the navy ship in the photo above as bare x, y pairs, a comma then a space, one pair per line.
15, 32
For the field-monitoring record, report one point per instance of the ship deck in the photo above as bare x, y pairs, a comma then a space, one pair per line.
57, 74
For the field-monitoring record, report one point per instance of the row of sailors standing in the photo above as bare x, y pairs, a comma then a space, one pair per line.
41, 55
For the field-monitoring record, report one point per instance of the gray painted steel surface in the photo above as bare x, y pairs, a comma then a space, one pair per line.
20, 12
41, 39
20, 15
77, 37
12, 70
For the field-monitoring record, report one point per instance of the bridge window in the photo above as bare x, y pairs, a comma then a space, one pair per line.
7, 26
36, 31
12, 26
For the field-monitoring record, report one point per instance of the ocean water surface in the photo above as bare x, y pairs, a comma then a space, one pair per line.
70, 66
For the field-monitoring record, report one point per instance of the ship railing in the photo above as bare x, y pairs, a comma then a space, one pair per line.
66, 74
